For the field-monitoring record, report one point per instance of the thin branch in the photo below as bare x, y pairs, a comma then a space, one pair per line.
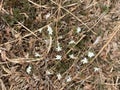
43, 6
115, 31
73, 15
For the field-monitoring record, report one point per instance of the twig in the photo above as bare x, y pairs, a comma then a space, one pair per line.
27, 29
1, 5
43, 6
75, 45
50, 45
115, 30
73, 16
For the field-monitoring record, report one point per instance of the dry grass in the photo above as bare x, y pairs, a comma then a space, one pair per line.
36, 51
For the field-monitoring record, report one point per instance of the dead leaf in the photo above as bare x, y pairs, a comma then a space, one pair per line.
88, 87
8, 46
3, 55
17, 35
8, 30
2, 85
6, 70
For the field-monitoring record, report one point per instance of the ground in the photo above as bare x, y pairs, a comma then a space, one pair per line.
59, 45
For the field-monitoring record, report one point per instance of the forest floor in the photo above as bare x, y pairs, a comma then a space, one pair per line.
59, 44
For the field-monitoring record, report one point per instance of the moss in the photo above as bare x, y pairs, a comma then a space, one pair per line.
9, 19
105, 9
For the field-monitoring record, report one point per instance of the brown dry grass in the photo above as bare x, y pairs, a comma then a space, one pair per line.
20, 40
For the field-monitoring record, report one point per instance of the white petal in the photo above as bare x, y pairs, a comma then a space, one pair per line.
59, 76
37, 54
78, 30
72, 56
40, 30
58, 57
84, 61
58, 48
48, 72
28, 70
91, 54
50, 31
68, 79
47, 16
72, 42
96, 69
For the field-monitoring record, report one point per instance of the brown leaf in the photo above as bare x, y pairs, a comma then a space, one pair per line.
8, 46
17, 35
2, 85
88, 87
3, 55
8, 30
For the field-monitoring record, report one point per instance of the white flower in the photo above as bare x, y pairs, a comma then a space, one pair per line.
78, 30
28, 70
84, 61
58, 57
68, 79
59, 76
72, 42
50, 31
96, 69
47, 15
48, 72
72, 56
37, 54
59, 48
91, 54
40, 30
